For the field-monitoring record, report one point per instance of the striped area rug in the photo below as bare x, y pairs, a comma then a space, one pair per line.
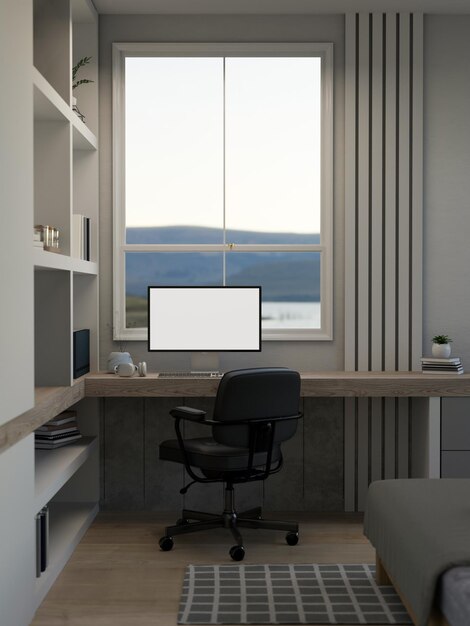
287, 594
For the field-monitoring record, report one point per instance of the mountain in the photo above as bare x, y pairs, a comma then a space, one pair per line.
284, 276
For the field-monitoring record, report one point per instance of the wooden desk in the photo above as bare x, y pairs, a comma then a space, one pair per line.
314, 384
52, 400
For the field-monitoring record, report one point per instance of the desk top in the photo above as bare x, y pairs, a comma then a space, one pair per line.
50, 401
314, 384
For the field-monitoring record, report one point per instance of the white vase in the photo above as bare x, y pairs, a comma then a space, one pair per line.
441, 350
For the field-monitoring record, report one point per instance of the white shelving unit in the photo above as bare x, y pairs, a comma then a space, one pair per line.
53, 468
66, 288
66, 182
68, 524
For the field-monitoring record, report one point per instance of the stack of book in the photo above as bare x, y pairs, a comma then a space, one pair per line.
442, 366
60, 431
81, 237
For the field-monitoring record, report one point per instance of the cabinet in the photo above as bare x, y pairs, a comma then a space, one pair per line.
65, 288
455, 438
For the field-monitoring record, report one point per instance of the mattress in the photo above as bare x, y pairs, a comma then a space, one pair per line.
420, 529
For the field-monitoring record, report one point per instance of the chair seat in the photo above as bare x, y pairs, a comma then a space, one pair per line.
207, 454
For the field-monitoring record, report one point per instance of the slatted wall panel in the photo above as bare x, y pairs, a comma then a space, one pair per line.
383, 205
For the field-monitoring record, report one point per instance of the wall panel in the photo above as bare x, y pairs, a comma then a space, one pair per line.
383, 254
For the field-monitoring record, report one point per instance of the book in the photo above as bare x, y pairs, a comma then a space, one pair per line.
60, 430
71, 423
62, 418
443, 372
54, 437
77, 235
50, 445
454, 359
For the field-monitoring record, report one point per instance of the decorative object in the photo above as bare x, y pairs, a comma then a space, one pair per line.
287, 594
75, 83
116, 358
441, 346
49, 236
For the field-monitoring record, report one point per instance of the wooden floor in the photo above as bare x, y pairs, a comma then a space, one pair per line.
119, 577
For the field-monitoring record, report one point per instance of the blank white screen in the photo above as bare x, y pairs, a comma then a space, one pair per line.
204, 318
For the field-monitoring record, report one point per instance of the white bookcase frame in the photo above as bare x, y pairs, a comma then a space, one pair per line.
66, 288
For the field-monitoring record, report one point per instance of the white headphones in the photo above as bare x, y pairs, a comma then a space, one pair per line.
129, 369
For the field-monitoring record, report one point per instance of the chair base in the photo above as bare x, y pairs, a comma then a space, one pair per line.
231, 520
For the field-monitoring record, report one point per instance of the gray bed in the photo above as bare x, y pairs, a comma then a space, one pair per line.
420, 529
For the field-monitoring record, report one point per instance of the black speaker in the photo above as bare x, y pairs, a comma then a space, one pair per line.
81, 352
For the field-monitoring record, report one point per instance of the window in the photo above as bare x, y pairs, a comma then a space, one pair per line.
223, 176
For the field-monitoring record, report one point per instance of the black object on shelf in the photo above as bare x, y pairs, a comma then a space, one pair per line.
81, 352
42, 540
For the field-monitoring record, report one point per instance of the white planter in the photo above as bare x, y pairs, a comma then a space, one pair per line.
441, 350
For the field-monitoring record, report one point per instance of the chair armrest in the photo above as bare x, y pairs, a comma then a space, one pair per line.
188, 413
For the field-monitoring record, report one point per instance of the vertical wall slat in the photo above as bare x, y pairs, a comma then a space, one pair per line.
417, 191
383, 221
376, 286
376, 274
350, 192
390, 190
350, 253
403, 234
363, 225
363, 173
403, 208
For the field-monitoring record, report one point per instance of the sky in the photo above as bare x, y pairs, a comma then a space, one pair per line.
177, 171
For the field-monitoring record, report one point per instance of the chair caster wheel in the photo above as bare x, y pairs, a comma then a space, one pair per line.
292, 538
237, 553
182, 521
166, 543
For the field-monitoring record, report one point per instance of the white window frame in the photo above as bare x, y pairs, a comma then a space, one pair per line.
325, 247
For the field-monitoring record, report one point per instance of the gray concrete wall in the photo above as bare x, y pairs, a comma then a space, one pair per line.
206, 28
135, 479
446, 281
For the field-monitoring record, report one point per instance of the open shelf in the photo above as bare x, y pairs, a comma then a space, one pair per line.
49, 106
54, 261
83, 138
79, 266
53, 468
50, 260
68, 522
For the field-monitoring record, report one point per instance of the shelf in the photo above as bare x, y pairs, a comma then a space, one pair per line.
79, 266
83, 138
68, 522
53, 468
50, 260
44, 260
49, 106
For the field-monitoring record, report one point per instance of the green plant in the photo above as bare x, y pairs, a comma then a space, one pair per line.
441, 339
81, 63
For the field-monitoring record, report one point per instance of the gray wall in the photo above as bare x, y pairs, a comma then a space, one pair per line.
446, 304
134, 28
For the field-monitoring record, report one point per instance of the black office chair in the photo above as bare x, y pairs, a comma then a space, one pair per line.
255, 411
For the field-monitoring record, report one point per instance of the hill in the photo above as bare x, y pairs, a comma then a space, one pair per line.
284, 276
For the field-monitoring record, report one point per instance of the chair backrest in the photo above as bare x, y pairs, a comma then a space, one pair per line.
262, 392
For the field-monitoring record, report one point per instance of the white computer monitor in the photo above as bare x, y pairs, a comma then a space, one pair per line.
204, 319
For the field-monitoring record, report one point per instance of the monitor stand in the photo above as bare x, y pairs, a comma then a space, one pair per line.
204, 361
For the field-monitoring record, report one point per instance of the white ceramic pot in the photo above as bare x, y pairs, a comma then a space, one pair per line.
441, 350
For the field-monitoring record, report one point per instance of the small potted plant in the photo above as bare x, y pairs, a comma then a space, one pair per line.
441, 346
75, 83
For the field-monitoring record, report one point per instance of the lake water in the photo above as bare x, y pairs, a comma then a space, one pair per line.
291, 314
